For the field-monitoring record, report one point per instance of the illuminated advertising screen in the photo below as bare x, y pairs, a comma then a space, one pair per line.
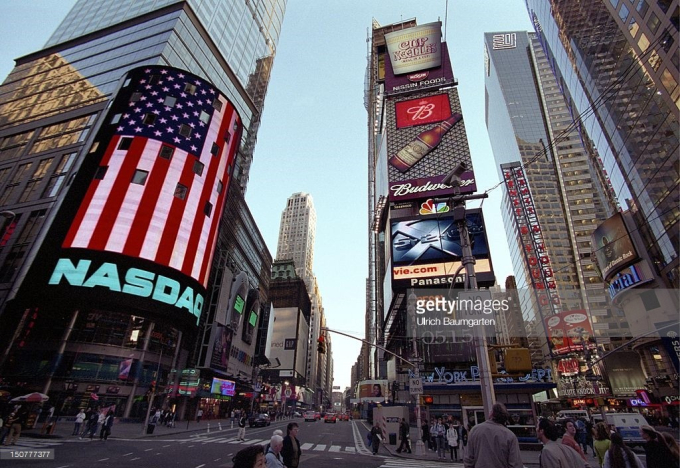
372, 390
223, 387
139, 225
426, 251
426, 140
415, 49
613, 246
569, 332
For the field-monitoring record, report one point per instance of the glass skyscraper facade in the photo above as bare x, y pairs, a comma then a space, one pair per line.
52, 108
617, 63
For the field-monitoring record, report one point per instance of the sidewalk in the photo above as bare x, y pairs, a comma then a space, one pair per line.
129, 430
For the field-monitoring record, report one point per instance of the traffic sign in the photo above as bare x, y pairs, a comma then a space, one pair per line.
415, 385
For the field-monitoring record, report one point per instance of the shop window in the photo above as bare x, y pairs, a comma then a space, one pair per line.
125, 143
139, 177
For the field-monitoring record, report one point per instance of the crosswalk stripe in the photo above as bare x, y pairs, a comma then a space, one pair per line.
306, 446
334, 448
320, 448
253, 442
350, 449
227, 441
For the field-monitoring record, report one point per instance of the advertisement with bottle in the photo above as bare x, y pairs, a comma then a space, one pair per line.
426, 140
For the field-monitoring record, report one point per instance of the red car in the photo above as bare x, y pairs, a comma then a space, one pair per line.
330, 417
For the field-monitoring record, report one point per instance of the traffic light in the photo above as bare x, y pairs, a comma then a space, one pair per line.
321, 346
426, 400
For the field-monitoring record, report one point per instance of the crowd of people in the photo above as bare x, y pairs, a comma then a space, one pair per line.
280, 452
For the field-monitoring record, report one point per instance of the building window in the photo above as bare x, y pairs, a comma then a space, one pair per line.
139, 177
653, 23
181, 191
204, 117
217, 104
135, 97
207, 209
149, 119
154, 79
185, 130
169, 101
32, 185
115, 119
59, 175
101, 172
219, 186
198, 167
125, 143
642, 7
166, 152
17, 178
623, 13
190, 88
214, 150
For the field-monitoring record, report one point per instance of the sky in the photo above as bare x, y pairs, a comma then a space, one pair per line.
314, 133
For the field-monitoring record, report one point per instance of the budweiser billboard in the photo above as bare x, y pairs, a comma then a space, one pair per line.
426, 140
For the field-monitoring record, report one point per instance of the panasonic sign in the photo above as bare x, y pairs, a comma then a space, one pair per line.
134, 281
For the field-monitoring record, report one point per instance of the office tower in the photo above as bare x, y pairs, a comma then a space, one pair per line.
618, 63
551, 203
296, 235
63, 113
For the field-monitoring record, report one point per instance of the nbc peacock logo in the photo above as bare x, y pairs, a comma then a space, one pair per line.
430, 207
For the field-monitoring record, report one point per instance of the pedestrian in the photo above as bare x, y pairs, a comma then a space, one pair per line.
425, 436
80, 417
620, 456
404, 435
3, 429
273, 452
107, 424
250, 457
657, 453
555, 455
672, 445
589, 437
569, 439
452, 439
101, 417
199, 415
291, 451
439, 432
242, 426
463, 439
602, 442
491, 444
151, 424
277, 432
376, 437
15, 422
88, 421
581, 434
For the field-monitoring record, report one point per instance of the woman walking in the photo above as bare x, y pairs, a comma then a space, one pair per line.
620, 456
602, 442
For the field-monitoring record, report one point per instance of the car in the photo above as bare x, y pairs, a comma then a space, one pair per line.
330, 417
345, 417
317, 415
310, 416
259, 420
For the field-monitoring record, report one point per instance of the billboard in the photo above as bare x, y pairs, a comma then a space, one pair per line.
422, 80
139, 225
624, 372
613, 246
569, 332
283, 344
414, 49
426, 140
426, 251
223, 387
372, 390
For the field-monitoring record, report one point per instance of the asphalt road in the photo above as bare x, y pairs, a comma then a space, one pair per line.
323, 445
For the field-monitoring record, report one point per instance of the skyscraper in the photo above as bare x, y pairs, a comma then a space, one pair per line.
296, 235
551, 205
617, 61
106, 82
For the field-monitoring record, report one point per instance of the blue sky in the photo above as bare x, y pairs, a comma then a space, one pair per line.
314, 133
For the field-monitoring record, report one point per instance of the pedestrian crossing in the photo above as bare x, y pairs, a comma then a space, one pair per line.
414, 463
200, 439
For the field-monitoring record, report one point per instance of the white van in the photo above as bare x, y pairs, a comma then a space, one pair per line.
628, 426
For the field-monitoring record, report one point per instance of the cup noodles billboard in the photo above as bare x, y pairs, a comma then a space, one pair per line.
426, 140
436, 77
426, 251
613, 246
569, 332
414, 49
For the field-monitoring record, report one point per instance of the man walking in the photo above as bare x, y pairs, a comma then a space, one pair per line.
404, 430
569, 439
491, 444
242, 426
376, 437
555, 455
291, 451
